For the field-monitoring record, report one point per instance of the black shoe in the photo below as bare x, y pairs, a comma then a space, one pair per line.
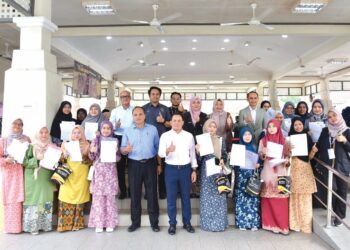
337, 222
155, 228
172, 230
189, 228
122, 197
162, 196
132, 228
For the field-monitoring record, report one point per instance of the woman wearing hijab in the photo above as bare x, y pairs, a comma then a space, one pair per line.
247, 207
81, 115
63, 114
333, 148
12, 180
104, 184
288, 110
317, 113
274, 206
95, 115
75, 191
213, 206
194, 121
224, 122
303, 184
302, 110
37, 206
265, 105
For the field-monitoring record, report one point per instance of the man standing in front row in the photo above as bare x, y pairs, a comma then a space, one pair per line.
140, 142
178, 149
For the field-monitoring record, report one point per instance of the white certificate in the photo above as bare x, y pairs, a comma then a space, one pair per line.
237, 155
300, 145
276, 162
206, 145
274, 150
90, 130
51, 157
212, 168
316, 129
251, 159
73, 149
108, 151
17, 150
66, 130
287, 122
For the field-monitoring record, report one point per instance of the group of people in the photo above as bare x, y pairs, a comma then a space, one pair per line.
158, 146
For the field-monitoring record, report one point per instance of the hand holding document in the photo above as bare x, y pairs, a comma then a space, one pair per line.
300, 145
274, 150
51, 157
316, 129
90, 130
108, 151
66, 130
206, 146
212, 168
73, 149
17, 150
237, 155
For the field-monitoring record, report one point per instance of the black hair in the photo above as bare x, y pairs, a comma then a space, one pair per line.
175, 93
105, 110
154, 87
138, 107
263, 102
178, 114
252, 92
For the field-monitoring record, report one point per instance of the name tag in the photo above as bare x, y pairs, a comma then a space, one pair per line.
331, 154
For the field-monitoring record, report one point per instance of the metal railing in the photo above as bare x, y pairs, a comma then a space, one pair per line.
328, 206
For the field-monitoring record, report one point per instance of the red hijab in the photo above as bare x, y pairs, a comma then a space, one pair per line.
277, 137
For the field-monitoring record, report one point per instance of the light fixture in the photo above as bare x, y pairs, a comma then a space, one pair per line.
232, 77
309, 6
192, 64
98, 7
162, 41
194, 40
246, 44
222, 48
141, 61
141, 44
165, 48
194, 48
226, 40
284, 36
109, 37
337, 61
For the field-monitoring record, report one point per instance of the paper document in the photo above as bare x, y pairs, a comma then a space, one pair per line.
17, 150
316, 129
274, 150
206, 145
73, 149
275, 162
237, 155
108, 151
287, 122
251, 159
51, 157
212, 168
300, 145
66, 130
90, 130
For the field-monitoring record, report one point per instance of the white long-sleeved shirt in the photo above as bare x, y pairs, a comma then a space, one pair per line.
125, 117
184, 148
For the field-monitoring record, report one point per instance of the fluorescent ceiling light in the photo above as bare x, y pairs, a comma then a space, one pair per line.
98, 7
222, 48
162, 41
165, 49
141, 44
284, 36
337, 60
192, 64
226, 40
194, 48
109, 37
309, 6
194, 40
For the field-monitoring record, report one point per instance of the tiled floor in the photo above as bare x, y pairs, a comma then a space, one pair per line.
144, 238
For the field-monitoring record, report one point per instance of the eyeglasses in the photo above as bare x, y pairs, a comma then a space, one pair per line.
125, 96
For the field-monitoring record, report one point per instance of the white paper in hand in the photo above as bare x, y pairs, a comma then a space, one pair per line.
237, 155
73, 149
212, 168
316, 129
108, 151
274, 150
90, 130
300, 145
251, 159
51, 157
17, 150
206, 145
275, 162
66, 130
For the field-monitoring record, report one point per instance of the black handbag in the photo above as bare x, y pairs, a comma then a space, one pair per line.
253, 186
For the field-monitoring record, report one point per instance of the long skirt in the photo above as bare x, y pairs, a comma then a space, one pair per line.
13, 218
104, 212
300, 212
37, 217
274, 213
70, 217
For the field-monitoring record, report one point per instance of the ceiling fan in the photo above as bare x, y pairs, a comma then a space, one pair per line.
6, 55
142, 63
253, 21
231, 64
155, 22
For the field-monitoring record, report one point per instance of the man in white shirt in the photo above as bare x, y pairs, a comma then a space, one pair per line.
121, 118
178, 149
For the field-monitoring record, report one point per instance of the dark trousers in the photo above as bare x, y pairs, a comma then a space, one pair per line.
321, 173
161, 182
121, 166
178, 179
341, 188
147, 173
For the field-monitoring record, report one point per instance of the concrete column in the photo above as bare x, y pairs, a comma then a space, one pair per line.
260, 91
273, 98
324, 94
110, 104
33, 89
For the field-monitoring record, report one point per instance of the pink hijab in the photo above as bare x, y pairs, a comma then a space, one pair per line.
339, 127
195, 112
276, 138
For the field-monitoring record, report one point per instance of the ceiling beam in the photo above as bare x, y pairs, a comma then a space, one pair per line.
205, 30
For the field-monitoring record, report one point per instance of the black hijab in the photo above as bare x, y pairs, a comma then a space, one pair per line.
309, 140
78, 111
59, 117
346, 115
304, 116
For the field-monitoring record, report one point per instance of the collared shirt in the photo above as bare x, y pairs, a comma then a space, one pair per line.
151, 116
175, 110
253, 113
184, 148
145, 141
125, 116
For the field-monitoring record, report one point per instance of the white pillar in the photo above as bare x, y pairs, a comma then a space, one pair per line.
273, 98
33, 89
110, 104
324, 94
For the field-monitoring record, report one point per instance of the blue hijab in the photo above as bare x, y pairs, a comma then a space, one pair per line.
249, 146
